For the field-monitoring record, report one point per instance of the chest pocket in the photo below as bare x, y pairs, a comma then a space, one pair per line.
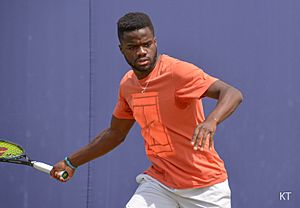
146, 112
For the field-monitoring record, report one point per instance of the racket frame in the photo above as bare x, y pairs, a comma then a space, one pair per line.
28, 162
16, 160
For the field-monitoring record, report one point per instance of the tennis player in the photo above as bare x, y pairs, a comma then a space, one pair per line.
163, 95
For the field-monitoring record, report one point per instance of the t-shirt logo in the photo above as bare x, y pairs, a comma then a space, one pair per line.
146, 113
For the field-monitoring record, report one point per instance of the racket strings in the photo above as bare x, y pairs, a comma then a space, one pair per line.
9, 150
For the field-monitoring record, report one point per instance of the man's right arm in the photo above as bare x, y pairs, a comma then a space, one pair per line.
103, 143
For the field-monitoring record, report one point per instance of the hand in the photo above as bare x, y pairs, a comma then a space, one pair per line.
204, 131
61, 166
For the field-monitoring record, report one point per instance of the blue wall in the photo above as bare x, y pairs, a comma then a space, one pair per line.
60, 68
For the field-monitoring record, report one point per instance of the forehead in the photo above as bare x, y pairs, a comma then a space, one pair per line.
143, 34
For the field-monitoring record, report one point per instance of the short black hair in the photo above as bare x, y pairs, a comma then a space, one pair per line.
133, 21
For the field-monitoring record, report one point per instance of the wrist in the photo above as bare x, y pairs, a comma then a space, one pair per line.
213, 120
68, 162
216, 120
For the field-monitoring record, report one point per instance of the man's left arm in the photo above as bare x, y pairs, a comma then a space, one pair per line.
228, 100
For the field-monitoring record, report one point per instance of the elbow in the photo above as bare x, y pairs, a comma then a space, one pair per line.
239, 96
235, 95
122, 139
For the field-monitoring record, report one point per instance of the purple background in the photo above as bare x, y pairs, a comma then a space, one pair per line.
60, 68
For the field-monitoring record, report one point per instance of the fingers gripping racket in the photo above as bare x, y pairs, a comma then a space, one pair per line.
13, 153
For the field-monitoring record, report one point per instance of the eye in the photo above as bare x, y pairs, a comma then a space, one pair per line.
147, 45
130, 47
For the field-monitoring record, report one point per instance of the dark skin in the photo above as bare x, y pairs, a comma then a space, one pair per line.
139, 48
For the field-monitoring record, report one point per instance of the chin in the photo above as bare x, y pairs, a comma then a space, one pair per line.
142, 69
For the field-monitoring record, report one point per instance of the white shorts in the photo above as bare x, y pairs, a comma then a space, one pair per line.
153, 194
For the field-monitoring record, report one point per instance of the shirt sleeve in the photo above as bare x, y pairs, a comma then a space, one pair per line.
191, 82
122, 109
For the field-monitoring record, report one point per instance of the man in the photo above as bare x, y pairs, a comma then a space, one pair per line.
163, 95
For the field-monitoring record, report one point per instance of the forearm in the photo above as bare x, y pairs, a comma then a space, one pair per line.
228, 101
100, 145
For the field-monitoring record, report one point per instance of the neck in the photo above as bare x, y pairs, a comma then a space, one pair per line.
142, 75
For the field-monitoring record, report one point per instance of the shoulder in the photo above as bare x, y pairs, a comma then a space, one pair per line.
184, 69
169, 61
126, 82
174, 65
127, 77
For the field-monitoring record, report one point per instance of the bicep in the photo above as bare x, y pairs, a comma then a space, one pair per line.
121, 126
215, 89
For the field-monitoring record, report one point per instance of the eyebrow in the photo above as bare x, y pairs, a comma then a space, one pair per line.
134, 44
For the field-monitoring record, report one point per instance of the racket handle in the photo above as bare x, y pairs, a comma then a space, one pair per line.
47, 168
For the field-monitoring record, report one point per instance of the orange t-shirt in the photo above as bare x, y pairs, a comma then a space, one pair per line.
168, 112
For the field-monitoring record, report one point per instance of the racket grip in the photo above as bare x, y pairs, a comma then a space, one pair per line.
47, 168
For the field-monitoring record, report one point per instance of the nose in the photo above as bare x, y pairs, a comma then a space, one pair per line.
141, 51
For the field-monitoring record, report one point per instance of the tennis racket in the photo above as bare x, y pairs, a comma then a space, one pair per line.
13, 153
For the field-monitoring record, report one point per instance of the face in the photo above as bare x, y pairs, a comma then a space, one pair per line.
139, 48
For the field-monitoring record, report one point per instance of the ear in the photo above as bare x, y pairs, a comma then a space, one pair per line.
155, 41
120, 47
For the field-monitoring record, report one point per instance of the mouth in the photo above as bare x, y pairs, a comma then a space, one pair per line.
143, 61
